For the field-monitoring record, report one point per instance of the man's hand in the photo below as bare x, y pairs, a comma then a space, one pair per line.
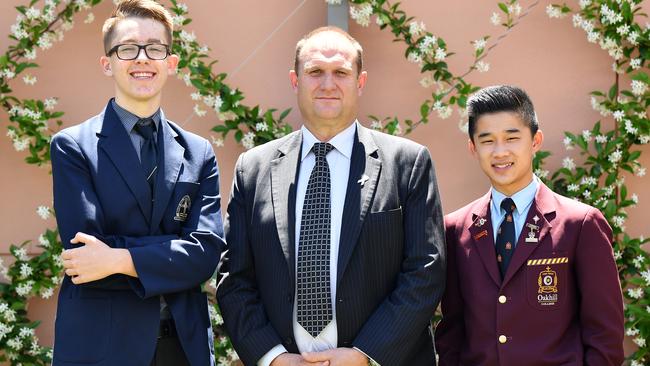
291, 359
338, 357
95, 260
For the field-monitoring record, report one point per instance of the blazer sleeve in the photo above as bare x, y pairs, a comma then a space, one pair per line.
393, 330
164, 263
450, 332
244, 315
601, 308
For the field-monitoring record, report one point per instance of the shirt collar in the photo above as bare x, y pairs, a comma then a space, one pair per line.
129, 119
342, 142
522, 199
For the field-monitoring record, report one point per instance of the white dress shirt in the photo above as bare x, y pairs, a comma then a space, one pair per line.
339, 164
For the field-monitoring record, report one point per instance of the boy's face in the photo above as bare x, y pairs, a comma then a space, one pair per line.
504, 148
142, 79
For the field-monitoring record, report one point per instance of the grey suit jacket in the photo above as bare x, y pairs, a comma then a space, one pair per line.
391, 264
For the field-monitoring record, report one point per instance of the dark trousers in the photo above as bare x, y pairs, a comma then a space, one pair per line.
169, 351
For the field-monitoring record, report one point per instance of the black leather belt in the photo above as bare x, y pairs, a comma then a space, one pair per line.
167, 328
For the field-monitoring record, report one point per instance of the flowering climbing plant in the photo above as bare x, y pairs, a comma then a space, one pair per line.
606, 154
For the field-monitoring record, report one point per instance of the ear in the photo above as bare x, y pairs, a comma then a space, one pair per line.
172, 64
105, 63
293, 78
538, 139
471, 147
361, 82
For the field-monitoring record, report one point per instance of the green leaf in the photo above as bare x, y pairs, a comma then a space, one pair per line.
504, 8
613, 91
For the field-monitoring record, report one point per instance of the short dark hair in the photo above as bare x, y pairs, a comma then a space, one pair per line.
330, 28
501, 98
146, 9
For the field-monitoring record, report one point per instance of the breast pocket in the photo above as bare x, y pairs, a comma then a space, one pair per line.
546, 281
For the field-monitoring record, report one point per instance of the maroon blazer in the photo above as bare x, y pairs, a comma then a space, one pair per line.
559, 303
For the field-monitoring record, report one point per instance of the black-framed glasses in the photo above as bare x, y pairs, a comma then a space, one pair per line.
126, 52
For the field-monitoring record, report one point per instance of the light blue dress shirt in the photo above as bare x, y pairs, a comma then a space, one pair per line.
523, 200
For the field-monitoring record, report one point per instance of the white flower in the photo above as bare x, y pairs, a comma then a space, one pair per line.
47, 292
639, 172
618, 221
195, 96
187, 37
361, 14
261, 126
633, 38
9, 74
218, 102
427, 81
24, 288
25, 270
635, 63
568, 143
248, 141
198, 111
10, 315
333, 2
601, 139
21, 144
479, 44
577, 20
635, 198
33, 13
638, 261
26, 332
618, 255
639, 87
635, 293
50, 103
445, 112
572, 187
440, 54
568, 163
589, 181
375, 125
415, 28
45, 41
553, 12
623, 29
515, 9
644, 139
618, 115
15, 343
593, 37
18, 32
29, 79
30, 54
636, 363
218, 142
183, 7
584, 3
541, 173
43, 212
482, 66
615, 156
495, 19
631, 332
639, 341
586, 135
414, 57
586, 194
629, 127
89, 18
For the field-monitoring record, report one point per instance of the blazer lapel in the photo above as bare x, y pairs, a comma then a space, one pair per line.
117, 144
170, 159
483, 238
283, 191
542, 209
364, 165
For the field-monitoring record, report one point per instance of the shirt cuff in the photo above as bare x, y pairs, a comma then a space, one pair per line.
371, 362
271, 355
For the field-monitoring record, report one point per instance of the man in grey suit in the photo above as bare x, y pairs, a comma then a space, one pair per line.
335, 232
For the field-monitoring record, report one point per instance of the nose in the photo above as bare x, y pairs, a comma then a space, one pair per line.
500, 149
327, 82
142, 56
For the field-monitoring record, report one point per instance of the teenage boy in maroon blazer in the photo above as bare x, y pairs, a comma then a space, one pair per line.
531, 279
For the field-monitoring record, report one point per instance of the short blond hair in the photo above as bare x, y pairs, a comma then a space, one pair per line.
146, 9
330, 28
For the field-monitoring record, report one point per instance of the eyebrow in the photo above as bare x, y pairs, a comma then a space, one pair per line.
149, 41
510, 130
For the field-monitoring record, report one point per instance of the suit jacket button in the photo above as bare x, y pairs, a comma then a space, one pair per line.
289, 298
340, 300
289, 341
502, 299
502, 339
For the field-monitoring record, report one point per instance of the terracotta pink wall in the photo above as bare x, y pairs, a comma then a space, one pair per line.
547, 57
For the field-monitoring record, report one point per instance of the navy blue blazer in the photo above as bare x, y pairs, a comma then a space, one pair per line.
391, 263
100, 189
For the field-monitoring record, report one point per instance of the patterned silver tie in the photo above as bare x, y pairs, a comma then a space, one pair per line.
313, 277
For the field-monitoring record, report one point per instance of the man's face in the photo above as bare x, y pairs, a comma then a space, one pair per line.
327, 83
504, 148
142, 79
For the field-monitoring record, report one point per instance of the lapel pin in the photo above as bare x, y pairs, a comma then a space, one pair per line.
480, 222
535, 219
183, 207
532, 233
364, 178
480, 235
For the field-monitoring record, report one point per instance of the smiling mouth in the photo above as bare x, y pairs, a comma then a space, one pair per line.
142, 75
502, 165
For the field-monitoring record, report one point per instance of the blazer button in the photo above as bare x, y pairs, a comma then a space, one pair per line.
502, 339
289, 298
289, 341
502, 299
